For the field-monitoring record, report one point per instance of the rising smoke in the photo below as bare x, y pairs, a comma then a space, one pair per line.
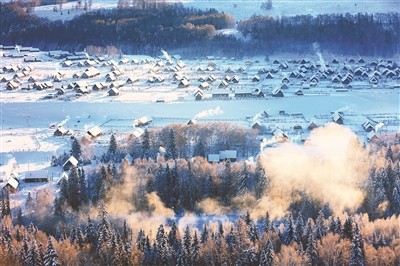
208, 113
328, 168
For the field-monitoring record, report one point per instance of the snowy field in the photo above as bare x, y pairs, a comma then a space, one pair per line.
243, 9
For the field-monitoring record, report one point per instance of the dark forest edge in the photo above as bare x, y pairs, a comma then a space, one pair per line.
194, 32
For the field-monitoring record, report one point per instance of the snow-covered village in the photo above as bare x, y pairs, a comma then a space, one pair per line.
200, 132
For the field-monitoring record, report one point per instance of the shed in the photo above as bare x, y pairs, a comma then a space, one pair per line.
36, 176
71, 162
256, 78
277, 93
198, 95
184, 83
220, 94
213, 158
204, 85
113, 92
299, 92
142, 121
61, 131
90, 73
223, 84
12, 185
230, 155
337, 118
94, 132
99, 86
311, 125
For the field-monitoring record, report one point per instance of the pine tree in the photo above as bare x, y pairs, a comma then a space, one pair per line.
357, 256
204, 234
83, 193
195, 249
33, 258
261, 180
269, 254
311, 252
299, 229
395, 199
187, 243
112, 148
244, 182
231, 240
267, 224
23, 252
29, 203
320, 230
50, 256
79, 236
347, 231
141, 240
90, 232
6, 202
288, 233
199, 149
104, 232
73, 189
64, 194
254, 233
228, 188
161, 247
146, 144
247, 218
171, 146
76, 149
173, 237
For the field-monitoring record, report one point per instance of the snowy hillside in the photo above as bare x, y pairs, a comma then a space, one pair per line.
247, 8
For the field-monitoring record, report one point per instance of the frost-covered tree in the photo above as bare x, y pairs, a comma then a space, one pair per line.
289, 231
34, 257
171, 152
311, 251
50, 256
112, 147
267, 224
76, 150
199, 149
146, 144
260, 180
29, 203
187, 243
195, 249
267, 257
83, 192
347, 231
357, 253
90, 232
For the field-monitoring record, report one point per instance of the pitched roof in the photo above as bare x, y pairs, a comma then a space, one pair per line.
72, 160
94, 131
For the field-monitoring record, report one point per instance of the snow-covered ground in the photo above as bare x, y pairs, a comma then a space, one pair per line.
28, 122
243, 9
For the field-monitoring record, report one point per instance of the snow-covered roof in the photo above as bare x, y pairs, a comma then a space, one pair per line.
227, 154
13, 182
128, 158
72, 160
36, 174
138, 132
94, 131
213, 158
